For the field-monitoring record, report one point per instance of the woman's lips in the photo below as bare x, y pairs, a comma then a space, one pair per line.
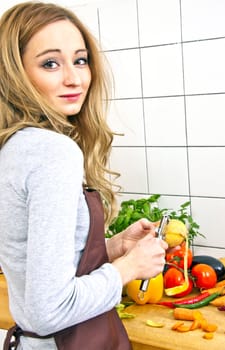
71, 97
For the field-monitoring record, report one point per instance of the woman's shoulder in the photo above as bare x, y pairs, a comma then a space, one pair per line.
35, 144
43, 140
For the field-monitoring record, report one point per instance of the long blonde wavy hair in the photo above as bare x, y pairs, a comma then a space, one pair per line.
22, 105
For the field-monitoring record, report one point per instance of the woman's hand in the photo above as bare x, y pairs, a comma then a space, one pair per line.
144, 260
122, 242
135, 232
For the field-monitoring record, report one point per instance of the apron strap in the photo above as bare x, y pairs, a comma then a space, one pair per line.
13, 336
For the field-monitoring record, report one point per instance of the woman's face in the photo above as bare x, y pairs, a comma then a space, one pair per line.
56, 61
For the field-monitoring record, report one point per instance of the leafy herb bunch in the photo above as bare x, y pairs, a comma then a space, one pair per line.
133, 210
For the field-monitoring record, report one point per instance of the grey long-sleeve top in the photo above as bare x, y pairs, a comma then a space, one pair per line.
44, 223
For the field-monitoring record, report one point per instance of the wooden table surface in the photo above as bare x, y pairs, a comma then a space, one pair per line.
144, 337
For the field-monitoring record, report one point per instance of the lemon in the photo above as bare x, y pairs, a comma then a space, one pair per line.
175, 232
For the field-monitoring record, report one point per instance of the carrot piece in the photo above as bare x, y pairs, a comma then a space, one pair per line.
186, 314
183, 328
220, 283
220, 301
203, 323
214, 290
195, 325
209, 327
176, 325
197, 315
208, 336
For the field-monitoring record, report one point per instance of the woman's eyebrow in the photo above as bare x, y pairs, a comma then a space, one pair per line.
58, 50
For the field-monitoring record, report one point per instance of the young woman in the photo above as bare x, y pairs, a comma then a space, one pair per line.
63, 278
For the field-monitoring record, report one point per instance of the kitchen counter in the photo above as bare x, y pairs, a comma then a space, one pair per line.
144, 337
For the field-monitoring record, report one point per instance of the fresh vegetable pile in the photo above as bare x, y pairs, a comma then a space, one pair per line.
204, 272
183, 272
197, 322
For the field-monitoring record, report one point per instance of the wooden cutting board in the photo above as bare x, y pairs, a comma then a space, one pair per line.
144, 337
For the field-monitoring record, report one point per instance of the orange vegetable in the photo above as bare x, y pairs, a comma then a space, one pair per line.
183, 328
208, 336
220, 284
187, 314
220, 301
176, 325
209, 327
216, 289
195, 325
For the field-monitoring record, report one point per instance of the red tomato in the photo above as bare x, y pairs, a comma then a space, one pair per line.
173, 278
176, 257
204, 275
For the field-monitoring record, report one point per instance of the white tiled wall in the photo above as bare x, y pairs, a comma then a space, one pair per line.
168, 61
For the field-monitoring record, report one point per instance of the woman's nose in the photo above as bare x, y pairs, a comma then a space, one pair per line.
71, 76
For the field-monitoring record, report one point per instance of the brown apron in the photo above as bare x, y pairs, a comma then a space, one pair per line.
103, 332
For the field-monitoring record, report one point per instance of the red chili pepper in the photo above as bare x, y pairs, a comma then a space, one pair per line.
166, 303
193, 300
186, 301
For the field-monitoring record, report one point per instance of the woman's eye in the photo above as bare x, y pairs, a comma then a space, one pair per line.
50, 64
81, 61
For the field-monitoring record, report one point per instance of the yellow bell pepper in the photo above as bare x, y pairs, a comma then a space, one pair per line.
153, 293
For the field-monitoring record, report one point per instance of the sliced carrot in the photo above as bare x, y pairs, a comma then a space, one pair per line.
187, 314
220, 301
220, 283
216, 289
209, 327
183, 328
208, 336
197, 315
195, 325
176, 325
203, 323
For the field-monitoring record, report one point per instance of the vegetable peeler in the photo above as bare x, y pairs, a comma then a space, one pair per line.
160, 234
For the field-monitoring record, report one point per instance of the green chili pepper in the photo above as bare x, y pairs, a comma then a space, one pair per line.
200, 303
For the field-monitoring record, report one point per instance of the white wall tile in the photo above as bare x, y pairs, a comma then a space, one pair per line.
126, 117
154, 17
167, 168
205, 120
204, 68
211, 220
202, 250
162, 70
207, 171
126, 69
5, 5
89, 16
165, 121
127, 196
131, 163
173, 203
118, 24
203, 19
